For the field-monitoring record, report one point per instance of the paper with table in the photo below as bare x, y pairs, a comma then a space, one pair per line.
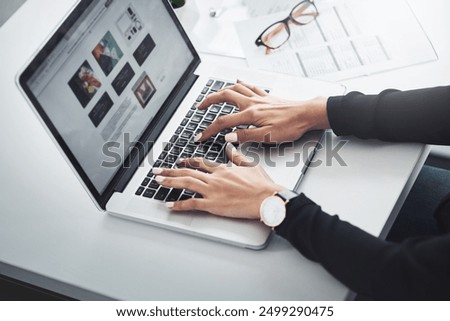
348, 39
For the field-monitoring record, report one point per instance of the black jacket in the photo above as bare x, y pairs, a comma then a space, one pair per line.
418, 268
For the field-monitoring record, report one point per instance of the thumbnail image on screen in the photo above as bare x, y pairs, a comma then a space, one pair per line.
144, 90
107, 53
84, 84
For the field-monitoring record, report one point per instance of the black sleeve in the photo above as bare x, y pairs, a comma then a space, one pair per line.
417, 269
399, 116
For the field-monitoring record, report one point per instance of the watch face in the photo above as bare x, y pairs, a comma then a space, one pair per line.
273, 211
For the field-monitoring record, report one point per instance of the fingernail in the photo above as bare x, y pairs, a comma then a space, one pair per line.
231, 138
157, 171
197, 105
159, 179
198, 137
180, 160
170, 204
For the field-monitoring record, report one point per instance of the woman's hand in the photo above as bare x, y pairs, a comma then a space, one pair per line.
276, 120
232, 190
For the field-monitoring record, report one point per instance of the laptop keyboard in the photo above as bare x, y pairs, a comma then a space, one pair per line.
182, 145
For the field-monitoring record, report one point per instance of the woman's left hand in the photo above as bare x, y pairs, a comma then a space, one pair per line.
232, 190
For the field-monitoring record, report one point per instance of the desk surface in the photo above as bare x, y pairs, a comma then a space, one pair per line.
51, 234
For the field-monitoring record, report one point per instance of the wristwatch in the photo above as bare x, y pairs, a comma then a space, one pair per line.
273, 208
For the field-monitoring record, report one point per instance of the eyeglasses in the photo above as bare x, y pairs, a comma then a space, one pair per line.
278, 33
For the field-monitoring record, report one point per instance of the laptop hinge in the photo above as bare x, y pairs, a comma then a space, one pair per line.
150, 136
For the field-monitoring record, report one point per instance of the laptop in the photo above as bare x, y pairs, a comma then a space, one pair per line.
116, 86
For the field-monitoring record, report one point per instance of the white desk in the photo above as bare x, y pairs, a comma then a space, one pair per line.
52, 236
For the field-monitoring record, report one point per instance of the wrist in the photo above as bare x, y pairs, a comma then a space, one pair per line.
316, 113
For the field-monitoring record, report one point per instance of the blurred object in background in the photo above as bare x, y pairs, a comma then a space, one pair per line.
177, 3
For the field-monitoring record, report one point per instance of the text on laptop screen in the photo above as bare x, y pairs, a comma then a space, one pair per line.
108, 77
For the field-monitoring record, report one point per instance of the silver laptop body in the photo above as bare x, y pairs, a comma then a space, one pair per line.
115, 83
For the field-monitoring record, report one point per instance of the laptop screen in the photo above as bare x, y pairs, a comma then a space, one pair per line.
105, 79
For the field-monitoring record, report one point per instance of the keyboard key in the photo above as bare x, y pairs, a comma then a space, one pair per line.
189, 193
200, 98
185, 155
179, 130
215, 109
220, 139
216, 148
162, 156
171, 159
197, 195
174, 139
229, 84
158, 163
140, 190
210, 82
145, 181
176, 150
153, 184
202, 149
191, 126
211, 156
185, 197
184, 122
181, 142
196, 119
217, 85
222, 158
187, 134
200, 112
174, 195
205, 124
205, 90
168, 147
190, 149
210, 117
194, 107
162, 193
243, 126
165, 165
227, 109
209, 142
149, 193
189, 114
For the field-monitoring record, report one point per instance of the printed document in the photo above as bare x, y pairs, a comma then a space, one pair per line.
348, 39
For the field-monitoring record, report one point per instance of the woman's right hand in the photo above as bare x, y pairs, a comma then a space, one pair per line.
275, 120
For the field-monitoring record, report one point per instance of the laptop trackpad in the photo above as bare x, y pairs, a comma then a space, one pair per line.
154, 211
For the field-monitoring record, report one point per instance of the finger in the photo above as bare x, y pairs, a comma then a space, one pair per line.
188, 183
253, 88
243, 90
227, 121
184, 172
226, 95
193, 204
202, 164
261, 134
237, 158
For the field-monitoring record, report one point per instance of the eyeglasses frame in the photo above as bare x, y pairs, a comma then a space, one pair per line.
259, 42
